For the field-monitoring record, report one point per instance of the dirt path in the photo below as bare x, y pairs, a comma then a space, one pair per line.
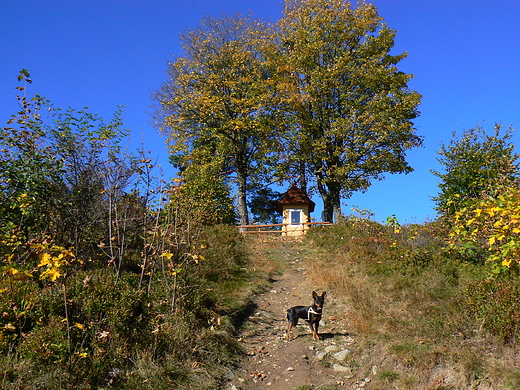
279, 364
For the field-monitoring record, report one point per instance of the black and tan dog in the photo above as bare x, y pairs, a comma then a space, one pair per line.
311, 314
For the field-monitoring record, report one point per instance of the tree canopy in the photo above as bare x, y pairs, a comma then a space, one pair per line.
351, 105
470, 162
317, 96
219, 104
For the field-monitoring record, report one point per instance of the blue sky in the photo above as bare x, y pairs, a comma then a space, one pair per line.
99, 54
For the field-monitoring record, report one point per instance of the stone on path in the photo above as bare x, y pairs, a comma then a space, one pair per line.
341, 355
339, 368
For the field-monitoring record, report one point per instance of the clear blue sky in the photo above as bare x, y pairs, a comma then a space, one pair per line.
465, 56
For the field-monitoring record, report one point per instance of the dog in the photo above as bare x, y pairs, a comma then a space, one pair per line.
311, 314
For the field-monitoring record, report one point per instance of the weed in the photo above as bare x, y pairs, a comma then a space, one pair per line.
303, 387
388, 375
96, 328
408, 381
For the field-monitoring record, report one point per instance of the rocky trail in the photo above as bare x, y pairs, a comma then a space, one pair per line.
272, 362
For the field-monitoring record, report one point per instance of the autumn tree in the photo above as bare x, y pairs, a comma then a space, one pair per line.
470, 162
30, 175
219, 100
351, 107
263, 205
62, 172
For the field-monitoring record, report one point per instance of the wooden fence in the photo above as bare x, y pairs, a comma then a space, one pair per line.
255, 229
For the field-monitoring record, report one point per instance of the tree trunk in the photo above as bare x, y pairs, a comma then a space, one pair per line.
303, 177
242, 198
330, 194
328, 213
336, 206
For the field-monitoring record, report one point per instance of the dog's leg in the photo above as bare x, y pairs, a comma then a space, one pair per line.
315, 335
289, 327
288, 332
292, 318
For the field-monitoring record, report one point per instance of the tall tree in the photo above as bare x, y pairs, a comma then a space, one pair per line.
351, 105
219, 100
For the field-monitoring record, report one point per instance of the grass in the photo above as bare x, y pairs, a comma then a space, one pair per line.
419, 308
388, 375
97, 329
422, 316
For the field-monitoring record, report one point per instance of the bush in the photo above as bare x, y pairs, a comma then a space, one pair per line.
96, 327
102, 283
495, 306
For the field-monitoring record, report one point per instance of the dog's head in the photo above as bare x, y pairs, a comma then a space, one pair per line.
319, 300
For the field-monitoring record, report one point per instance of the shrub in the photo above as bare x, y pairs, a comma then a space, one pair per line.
147, 294
491, 225
46, 343
495, 306
470, 162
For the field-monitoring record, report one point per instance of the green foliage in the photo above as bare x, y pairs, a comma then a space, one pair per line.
263, 206
54, 174
495, 306
388, 375
29, 172
350, 106
201, 197
393, 222
479, 198
98, 327
103, 284
94, 169
220, 100
478, 194
491, 224
317, 95
420, 302
46, 344
343, 233
470, 163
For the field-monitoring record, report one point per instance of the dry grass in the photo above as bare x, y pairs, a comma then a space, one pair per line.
407, 309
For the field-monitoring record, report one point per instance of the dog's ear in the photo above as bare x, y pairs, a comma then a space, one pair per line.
314, 294
324, 294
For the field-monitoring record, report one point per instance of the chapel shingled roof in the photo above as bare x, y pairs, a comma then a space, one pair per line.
295, 196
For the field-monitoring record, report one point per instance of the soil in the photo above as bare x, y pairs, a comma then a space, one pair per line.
272, 362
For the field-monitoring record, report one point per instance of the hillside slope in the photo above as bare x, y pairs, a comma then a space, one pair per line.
344, 357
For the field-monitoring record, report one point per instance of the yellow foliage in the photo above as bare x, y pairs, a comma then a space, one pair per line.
45, 260
495, 221
53, 260
51, 273
10, 271
167, 255
10, 327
